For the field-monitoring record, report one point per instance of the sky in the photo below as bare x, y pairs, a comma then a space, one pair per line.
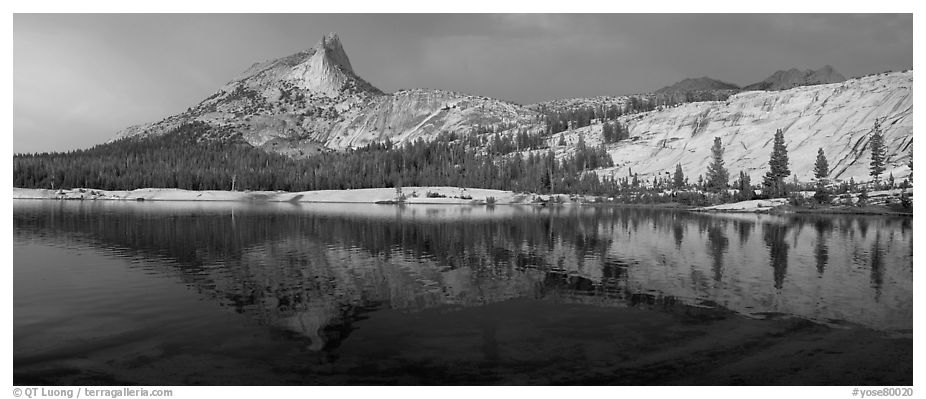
80, 78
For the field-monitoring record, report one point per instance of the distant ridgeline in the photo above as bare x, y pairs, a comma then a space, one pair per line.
196, 156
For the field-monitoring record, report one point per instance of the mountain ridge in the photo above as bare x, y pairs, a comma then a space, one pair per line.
313, 100
697, 84
838, 117
783, 80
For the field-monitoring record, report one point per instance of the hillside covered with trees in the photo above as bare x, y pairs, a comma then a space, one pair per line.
191, 158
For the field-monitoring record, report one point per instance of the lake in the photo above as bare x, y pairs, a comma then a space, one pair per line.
189, 293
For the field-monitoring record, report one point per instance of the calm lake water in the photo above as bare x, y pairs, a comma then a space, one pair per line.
231, 293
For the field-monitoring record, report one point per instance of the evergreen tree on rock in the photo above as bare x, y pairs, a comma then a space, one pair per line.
821, 170
607, 132
744, 185
774, 180
679, 177
717, 175
878, 153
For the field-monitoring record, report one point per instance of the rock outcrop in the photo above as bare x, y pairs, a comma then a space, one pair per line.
837, 117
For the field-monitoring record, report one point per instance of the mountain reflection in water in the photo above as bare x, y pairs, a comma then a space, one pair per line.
315, 269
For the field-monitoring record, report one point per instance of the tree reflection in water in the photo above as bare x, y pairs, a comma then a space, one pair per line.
318, 271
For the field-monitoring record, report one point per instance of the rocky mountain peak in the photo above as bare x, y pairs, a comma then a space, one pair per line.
326, 71
330, 46
312, 100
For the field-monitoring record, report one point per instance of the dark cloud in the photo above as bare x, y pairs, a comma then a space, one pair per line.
80, 78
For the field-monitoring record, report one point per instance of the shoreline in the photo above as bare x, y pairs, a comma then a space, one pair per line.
415, 195
439, 195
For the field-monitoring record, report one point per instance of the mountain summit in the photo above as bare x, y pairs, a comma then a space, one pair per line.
331, 46
783, 80
314, 100
326, 71
323, 70
698, 84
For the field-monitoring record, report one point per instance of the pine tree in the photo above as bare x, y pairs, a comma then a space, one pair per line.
399, 197
679, 177
607, 132
905, 201
744, 185
862, 198
877, 152
821, 169
774, 181
717, 175
551, 161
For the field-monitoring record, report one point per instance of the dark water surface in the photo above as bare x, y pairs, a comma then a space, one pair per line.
232, 293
